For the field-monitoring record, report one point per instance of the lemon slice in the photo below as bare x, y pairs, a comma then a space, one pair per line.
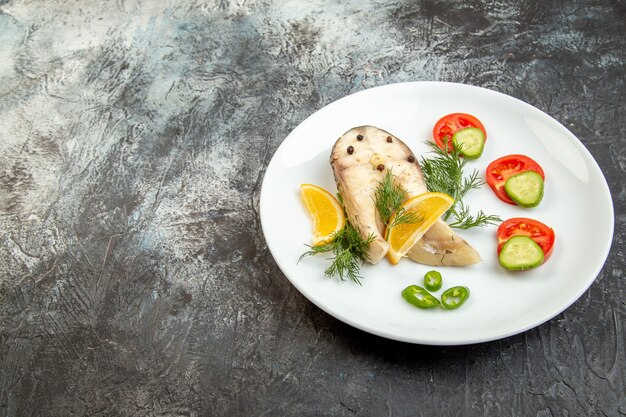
325, 211
428, 207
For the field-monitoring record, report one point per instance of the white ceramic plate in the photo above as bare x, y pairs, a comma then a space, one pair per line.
577, 204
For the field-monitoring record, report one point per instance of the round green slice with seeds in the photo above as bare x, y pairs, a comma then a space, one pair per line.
525, 189
470, 141
520, 253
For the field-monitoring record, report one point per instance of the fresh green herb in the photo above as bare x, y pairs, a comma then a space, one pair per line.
388, 199
465, 220
349, 253
444, 173
340, 199
405, 217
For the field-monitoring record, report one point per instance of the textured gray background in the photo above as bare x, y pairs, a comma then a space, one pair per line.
134, 278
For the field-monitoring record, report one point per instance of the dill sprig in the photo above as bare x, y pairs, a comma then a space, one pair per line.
388, 199
444, 173
388, 196
465, 220
349, 253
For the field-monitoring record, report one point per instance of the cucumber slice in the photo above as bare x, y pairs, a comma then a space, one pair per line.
520, 253
526, 188
470, 141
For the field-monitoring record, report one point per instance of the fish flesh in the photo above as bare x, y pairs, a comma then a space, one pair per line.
440, 246
359, 159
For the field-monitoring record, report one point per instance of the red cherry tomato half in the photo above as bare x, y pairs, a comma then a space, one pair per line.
521, 226
502, 168
448, 125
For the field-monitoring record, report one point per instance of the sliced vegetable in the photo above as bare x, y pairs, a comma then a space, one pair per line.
505, 167
419, 297
454, 297
445, 173
471, 141
522, 226
525, 189
426, 209
448, 125
520, 253
433, 281
325, 211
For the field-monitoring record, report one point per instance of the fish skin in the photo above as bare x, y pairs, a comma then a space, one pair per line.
357, 176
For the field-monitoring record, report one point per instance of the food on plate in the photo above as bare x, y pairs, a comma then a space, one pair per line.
389, 197
419, 297
440, 246
471, 142
360, 159
403, 235
525, 189
325, 211
520, 253
446, 127
500, 170
451, 299
542, 234
349, 251
445, 173
454, 297
433, 280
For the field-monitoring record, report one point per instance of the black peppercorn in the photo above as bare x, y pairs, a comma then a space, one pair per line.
359, 137
350, 150
389, 139
411, 158
380, 167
